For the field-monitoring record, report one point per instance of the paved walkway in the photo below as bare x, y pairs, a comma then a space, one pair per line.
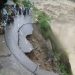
8, 63
12, 42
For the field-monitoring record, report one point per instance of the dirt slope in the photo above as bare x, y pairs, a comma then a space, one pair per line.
42, 53
63, 23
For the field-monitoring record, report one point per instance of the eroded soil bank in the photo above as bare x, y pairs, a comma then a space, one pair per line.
48, 54
42, 53
63, 23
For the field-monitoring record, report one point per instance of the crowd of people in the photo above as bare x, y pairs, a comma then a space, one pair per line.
9, 13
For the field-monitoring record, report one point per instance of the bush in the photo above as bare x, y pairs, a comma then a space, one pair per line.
44, 25
26, 3
62, 60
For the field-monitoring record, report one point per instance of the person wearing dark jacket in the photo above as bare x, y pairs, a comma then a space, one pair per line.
20, 11
24, 12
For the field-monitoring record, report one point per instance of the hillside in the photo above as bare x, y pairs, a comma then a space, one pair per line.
63, 23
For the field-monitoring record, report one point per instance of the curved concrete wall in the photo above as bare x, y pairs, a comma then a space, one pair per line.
24, 44
11, 36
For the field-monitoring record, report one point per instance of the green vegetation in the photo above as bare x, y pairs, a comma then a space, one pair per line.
26, 3
44, 25
64, 70
16, 1
60, 55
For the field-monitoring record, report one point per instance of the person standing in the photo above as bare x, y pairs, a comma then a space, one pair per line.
30, 11
14, 10
24, 12
20, 11
17, 8
5, 16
